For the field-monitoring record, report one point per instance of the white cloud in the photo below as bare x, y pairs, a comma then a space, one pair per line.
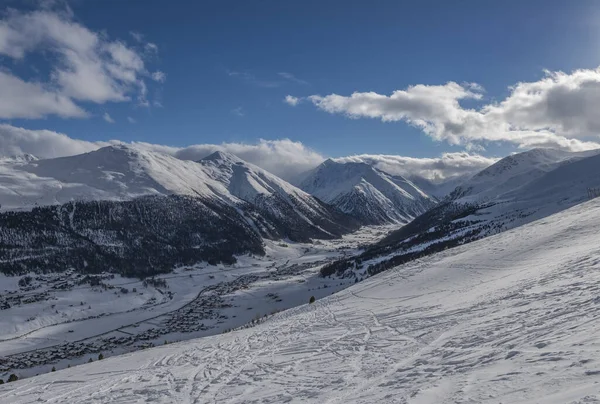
291, 100
42, 143
559, 110
86, 66
283, 157
446, 166
291, 77
108, 118
131, 120
21, 99
159, 76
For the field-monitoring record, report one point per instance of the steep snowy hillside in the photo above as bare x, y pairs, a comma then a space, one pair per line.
275, 198
368, 194
512, 319
515, 171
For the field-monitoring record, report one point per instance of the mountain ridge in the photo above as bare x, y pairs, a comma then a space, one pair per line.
366, 193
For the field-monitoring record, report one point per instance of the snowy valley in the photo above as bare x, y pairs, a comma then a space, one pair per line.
160, 267
512, 318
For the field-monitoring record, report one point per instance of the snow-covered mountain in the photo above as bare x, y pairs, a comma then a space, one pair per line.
273, 197
141, 193
513, 319
115, 173
368, 194
516, 190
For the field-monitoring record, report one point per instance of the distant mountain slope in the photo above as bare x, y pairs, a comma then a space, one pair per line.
275, 198
366, 193
222, 197
517, 190
513, 172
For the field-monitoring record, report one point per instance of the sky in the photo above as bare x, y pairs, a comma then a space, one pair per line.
298, 81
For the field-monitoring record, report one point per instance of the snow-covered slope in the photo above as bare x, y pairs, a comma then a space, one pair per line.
513, 319
369, 194
116, 172
515, 171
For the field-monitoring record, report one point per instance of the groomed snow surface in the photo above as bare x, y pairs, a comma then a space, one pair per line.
509, 319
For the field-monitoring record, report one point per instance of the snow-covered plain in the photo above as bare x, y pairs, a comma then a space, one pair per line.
513, 318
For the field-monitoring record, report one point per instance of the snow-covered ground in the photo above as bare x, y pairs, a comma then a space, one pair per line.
513, 318
218, 298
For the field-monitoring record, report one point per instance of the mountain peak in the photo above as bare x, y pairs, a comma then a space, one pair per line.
370, 195
222, 156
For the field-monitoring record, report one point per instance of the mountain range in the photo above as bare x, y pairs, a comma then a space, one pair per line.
108, 208
516, 190
89, 211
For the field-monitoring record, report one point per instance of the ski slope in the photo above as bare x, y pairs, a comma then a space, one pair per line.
513, 318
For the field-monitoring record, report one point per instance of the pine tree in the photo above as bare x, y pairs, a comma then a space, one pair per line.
100, 357
13, 378
53, 369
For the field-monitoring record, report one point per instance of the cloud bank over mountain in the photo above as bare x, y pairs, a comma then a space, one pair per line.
283, 157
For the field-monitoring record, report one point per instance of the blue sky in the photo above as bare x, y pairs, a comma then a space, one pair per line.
229, 65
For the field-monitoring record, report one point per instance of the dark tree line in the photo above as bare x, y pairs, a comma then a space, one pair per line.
136, 238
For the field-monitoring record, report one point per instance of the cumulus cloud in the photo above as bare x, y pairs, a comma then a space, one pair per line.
448, 165
42, 143
21, 99
108, 118
86, 66
291, 100
560, 110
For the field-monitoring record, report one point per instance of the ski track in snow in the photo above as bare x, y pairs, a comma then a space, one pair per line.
509, 319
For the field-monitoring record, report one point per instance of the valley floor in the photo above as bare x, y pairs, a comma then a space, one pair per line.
514, 318
58, 322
